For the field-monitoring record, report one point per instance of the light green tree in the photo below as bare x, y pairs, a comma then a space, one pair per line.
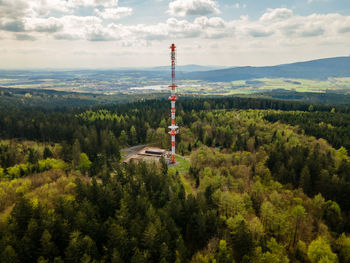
2, 173
320, 251
298, 214
206, 105
319, 206
133, 135
342, 153
275, 253
150, 135
343, 244
256, 228
85, 163
223, 255
163, 124
123, 138
14, 171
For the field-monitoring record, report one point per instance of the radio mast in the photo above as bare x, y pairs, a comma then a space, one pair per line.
173, 128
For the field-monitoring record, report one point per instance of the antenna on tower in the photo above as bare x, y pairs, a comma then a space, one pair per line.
173, 128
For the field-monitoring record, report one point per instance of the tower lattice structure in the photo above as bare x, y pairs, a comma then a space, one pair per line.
173, 128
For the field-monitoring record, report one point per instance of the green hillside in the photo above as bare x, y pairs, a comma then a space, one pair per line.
252, 184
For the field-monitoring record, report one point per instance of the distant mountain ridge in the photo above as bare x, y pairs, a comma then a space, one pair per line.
314, 69
320, 69
187, 68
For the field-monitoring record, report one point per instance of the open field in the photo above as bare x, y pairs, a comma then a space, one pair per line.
131, 83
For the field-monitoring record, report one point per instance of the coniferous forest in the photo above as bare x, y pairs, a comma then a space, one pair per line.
257, 180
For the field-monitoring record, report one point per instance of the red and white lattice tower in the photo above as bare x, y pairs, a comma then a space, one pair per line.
173, 128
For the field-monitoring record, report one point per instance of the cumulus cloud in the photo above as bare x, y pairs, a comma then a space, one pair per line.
25, 37
45, 7
214, 22
60, 18
312, 32
214, 27
290, 26
182, 8
66, 36
205, 27
345, 29
99, 33
13, 26
279, 24
79, 27
114, 13
44, 25
31, 8
259, 32
105, 3
277, 14
13, 8
183, 28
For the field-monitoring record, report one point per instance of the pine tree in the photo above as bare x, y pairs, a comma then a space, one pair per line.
76, 154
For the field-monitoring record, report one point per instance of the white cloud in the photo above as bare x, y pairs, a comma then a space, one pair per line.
13, 8
44, 25
12, 25
98, 33
275, 24
37, 16
280, 24
277, 14
276, 30
45, 7
93, 3
24, 37
214, 22
312, 1
345, 29
114, 13
182, 8
214, 27
258, 31
204, 27
183, 28
312, 32
78, 27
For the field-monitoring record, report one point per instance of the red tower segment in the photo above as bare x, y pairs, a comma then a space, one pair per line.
173, 128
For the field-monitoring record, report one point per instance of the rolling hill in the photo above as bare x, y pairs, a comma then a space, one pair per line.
188, 68
314, 69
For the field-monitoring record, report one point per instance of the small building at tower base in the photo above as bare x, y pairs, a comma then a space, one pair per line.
149, 154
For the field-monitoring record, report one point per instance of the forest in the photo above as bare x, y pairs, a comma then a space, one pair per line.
258, 180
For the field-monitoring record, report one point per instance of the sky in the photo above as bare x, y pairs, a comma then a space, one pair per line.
67, 34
